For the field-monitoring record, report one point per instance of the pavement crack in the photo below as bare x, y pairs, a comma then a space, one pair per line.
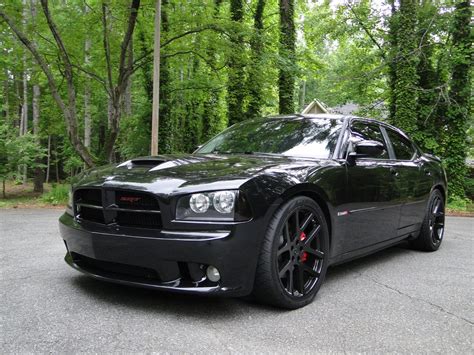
434, 305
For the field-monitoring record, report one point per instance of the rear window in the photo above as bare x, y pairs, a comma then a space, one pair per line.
402, 147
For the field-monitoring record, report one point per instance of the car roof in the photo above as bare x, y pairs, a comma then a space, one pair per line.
318, 115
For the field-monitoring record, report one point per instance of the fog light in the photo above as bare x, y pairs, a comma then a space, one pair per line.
213, 274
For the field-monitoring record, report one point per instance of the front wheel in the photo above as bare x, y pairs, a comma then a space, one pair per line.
432, 228
294, 256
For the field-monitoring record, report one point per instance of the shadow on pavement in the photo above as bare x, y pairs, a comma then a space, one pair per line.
212, 307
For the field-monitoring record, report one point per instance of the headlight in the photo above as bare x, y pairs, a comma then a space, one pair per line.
199, 203
227, 205
224, 201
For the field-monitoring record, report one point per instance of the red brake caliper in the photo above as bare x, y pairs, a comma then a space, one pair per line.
304, 255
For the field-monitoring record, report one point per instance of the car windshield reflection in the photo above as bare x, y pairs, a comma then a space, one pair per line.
309, 138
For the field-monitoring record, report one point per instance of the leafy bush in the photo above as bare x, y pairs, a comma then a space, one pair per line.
459, 203
470, 188
58, 195
17, 151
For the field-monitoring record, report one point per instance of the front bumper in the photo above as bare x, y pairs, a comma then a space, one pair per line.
165, 260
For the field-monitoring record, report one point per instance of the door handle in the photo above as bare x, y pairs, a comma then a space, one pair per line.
394, 172
427, 172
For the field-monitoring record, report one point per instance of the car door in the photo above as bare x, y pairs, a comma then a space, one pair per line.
373, 207
413, 181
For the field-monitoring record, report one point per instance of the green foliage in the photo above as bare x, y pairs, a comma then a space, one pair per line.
58, 195
405, 92
225, 61
287, 60
16, 152
462, 204
459, 111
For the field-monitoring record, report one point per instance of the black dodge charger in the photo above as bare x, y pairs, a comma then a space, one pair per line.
263, 208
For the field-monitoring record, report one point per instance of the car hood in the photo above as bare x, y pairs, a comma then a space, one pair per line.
171, 174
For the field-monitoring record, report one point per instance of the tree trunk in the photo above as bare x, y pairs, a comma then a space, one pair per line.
6, 102
392, 63
302, 95
166, 124
406, 93
459, 110
39, 173
255, 77
56, 159
210, 117
128, 89
286, 80
236, 67
87, 90
24, 116
117, 90
155, 115
48, 159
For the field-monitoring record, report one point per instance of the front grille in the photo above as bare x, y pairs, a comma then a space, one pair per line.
114, 268
136, 201
119, 207
89, 196
138, 219
180, 274
92, 214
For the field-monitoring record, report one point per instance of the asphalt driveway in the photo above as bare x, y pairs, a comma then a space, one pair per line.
396, 300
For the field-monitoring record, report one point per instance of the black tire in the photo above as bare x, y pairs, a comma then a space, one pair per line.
432, 228
294, 255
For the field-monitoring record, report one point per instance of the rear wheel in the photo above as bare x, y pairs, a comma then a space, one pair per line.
432, 229
293, 259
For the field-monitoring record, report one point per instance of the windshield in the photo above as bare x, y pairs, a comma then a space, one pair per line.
302, 137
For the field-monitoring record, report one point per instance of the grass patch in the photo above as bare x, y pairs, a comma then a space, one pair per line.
23, 196
460, 205
58, 195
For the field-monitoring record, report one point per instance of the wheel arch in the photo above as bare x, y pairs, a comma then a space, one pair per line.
318, 195
441, 189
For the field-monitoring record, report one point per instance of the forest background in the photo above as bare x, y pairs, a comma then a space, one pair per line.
77, 78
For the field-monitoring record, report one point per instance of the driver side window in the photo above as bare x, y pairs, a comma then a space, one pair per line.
369, 131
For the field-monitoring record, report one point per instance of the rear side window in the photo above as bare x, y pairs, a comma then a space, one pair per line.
402, 147
369, 131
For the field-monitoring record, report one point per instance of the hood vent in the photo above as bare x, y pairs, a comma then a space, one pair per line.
142, 163
147, 162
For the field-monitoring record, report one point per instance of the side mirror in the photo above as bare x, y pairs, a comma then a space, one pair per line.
365, 149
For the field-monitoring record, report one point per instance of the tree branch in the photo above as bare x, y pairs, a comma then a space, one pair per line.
366, 30
132, 19
39, 59
92, 75
69, 112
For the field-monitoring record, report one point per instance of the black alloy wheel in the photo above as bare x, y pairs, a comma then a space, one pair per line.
436, 220
294, 256
300, 258
432, 228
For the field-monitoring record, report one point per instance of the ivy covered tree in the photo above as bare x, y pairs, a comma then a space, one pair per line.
236, 76
287, 61
405, 93
459, 110
223, 62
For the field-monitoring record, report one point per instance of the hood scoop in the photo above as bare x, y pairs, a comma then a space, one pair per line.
141, 163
